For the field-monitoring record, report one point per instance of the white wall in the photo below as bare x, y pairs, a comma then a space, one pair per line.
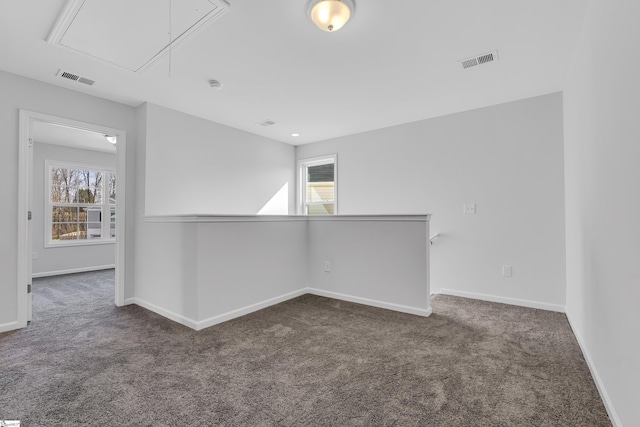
166, 270
241, 264
19, 92
188, 165
602, 150
198, 166
208, 269
54, 260
507, 159
202, 273
380, 261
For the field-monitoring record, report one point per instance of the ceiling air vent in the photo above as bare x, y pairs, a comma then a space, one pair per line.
75, 77
266, 123
70, 76
480, 59
86, 81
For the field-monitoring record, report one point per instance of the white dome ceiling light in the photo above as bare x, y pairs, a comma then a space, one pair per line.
330, 15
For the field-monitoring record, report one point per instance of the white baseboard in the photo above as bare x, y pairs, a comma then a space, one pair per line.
162, 312
380, 304
504, 300
613, 416
73, 270
9, 326
248, 309
199, 325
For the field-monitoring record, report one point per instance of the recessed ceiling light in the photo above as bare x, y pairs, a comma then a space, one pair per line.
112, 139
295, 134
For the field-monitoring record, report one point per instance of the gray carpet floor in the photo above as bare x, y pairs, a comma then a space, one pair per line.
307, 361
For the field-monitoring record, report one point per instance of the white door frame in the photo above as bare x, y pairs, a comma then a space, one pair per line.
25, 158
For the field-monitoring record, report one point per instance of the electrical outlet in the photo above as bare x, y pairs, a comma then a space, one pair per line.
507, 271
469, 208
327, 266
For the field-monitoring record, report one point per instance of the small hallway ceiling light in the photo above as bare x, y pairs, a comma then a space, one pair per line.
330, 15
112, 139
295, 134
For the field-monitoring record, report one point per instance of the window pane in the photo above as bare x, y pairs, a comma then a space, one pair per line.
95, 185
94, 230
67, 194
89, 192
95, 178
82, 178
64, 185
94, 223
64, 232
82, 231
93, 214
64, 214
84, 195
320, 173
326, 209
112, 225
92, 193
320, 191
320, 185
112, 188
82, 214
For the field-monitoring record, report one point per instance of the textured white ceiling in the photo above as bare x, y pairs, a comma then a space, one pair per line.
385, 67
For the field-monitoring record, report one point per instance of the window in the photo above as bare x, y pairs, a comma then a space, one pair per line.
80, 204
317, 190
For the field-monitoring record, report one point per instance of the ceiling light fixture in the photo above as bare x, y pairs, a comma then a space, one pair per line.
111, 139
330, 15
295, 134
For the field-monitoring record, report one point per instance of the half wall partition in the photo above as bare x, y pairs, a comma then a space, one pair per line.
201, 270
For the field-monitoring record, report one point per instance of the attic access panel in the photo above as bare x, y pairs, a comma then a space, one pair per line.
132, 34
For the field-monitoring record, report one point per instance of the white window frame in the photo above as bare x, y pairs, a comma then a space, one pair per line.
303, 164
105, 206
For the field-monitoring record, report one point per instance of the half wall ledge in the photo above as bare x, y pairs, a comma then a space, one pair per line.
208, 269
190, 218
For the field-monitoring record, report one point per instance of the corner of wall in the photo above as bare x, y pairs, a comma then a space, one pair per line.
608, 403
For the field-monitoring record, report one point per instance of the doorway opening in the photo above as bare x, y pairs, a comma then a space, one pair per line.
70, 175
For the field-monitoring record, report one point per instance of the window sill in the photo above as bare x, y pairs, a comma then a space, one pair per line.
71, 243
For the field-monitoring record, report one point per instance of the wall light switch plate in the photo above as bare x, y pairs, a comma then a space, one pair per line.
469, 208
327, 266
34, 255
